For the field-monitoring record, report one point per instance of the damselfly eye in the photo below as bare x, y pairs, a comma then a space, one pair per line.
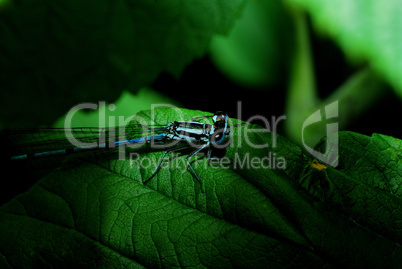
220, 119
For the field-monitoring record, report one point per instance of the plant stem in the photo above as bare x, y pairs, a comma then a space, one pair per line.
302, 93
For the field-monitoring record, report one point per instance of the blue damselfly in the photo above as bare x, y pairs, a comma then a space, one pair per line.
32, 144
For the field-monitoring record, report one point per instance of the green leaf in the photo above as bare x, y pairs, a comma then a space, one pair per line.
59, 53
254, 212
366, 185
377, 156
118, 113
253, 53
365, 29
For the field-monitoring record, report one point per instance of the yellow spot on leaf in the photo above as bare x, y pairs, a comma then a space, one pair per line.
317, 165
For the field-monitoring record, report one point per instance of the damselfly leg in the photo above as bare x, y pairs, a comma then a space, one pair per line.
161, 160
189, 164
187, 160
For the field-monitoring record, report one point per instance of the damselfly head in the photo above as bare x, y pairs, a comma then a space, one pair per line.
218, 116
220, 120
221, 128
